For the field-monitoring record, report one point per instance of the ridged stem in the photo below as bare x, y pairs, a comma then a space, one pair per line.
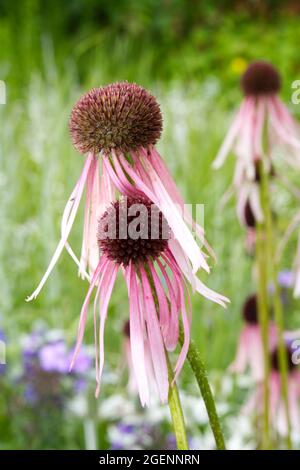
176, 412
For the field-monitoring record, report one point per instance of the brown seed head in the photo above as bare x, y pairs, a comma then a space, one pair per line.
260, 78
132, 229
250, 312
121, 116
275, 359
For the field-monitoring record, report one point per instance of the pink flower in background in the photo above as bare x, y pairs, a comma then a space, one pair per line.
249, 351
134, 237
247, 219
117, 126
277, 410
260, 109
54, 357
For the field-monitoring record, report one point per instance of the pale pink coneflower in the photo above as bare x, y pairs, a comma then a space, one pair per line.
249, 351
117, 127
277, 407
134, 238
260, 109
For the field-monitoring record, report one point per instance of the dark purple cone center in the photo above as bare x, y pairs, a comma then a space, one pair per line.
133, 229
260, 78
249, 216
275, 359
121, 116
126, 329
250, 310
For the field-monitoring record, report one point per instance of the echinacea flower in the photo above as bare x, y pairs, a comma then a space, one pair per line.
134, 237
260, 110
117, 127
46, 360
277, 407
249, 351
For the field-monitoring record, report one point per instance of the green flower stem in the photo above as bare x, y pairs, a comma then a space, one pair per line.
200, 373
277, 303
263, 314
176, 412
90, 422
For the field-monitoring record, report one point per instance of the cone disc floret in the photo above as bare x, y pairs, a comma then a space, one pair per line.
260, 78
250, 312
133, 229
275, 359
121, 116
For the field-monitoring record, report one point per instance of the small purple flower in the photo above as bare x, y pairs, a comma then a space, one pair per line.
286, 279
53, 357
2, 353
126, 428
83, 364
46, 360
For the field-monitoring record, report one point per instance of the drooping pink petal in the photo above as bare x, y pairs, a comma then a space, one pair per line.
86, 225
84, 310
242, 200
274, 396
96, 335
245, 143
160, 197
259, 127
64, 237
294, 413
112, 175
155, 339
279, 123
195, 282
164, 316
285, 117
137, 337
240, 362
65, 217
185, 320
254, 200
171, 339
229, 139
161, 171
255, 353
108, 282
297, 270
138, 163
97, 199
254, 404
